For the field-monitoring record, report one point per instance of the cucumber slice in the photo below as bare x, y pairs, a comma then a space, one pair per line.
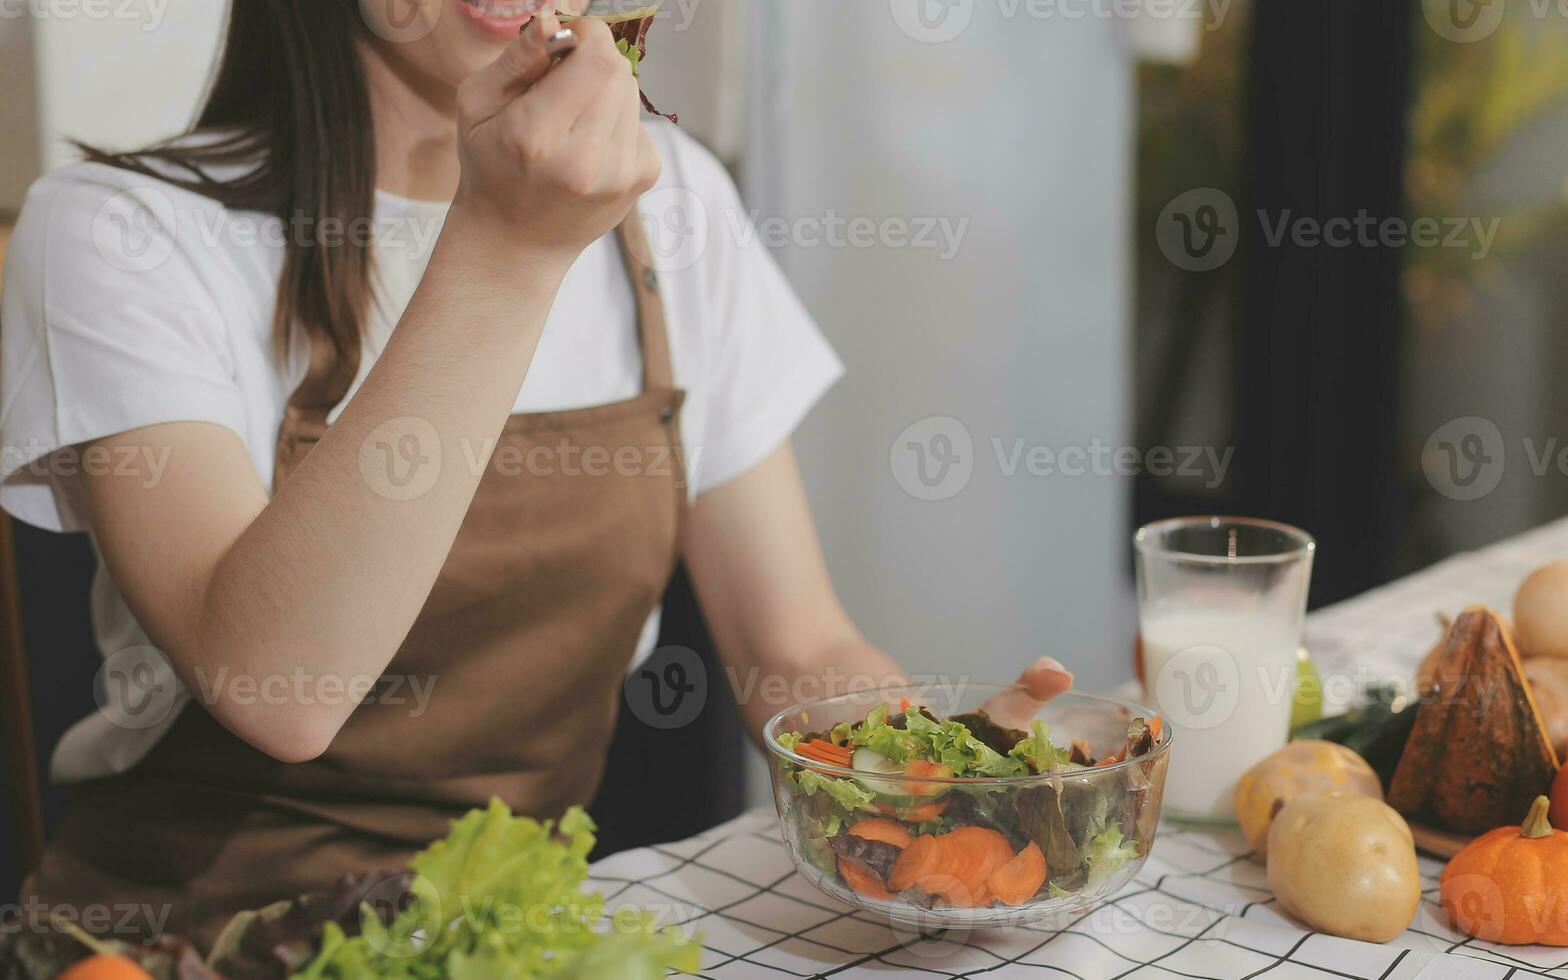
865, 760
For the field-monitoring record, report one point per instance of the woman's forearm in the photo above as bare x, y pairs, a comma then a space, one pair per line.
329, 577
841, 665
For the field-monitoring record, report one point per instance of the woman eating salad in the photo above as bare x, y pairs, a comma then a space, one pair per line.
380, 526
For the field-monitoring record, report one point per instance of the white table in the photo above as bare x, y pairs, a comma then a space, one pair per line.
1200, 907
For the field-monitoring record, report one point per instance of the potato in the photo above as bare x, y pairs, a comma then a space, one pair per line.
1345, 864
1298, 768
1548, 678
1541, 612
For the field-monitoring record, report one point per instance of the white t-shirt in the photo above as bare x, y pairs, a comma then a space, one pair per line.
130, 302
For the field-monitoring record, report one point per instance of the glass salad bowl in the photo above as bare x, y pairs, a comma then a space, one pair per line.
909, 802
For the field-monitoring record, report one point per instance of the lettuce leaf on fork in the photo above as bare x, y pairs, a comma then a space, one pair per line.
630, 31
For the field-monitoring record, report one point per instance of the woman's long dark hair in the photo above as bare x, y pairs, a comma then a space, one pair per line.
290, 102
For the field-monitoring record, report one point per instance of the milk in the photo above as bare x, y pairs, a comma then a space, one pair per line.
1223, 680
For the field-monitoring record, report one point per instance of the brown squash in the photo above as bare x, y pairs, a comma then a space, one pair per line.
1479, 752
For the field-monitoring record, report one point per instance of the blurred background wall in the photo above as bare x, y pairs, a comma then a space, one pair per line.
1013, 137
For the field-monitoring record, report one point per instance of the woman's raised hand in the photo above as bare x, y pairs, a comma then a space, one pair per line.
553, 157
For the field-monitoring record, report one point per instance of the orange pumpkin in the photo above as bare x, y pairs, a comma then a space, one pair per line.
1510, 885
105, 967
1559, 811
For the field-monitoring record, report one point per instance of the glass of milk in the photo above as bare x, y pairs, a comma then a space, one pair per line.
1221, 602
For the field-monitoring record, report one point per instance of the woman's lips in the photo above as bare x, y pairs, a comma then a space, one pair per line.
503, 19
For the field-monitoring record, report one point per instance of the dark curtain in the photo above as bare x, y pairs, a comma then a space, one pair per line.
1320, 326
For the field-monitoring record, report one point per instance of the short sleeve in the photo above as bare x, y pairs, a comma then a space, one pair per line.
768, 363
105, 326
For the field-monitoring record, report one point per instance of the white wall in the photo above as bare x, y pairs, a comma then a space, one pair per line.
1022, 127
121, 81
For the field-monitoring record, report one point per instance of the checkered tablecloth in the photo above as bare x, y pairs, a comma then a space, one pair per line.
1200, 907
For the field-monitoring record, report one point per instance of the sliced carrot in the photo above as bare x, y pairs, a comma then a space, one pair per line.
925, 769
919, 859
978, 851
1019, 880
886, 831
915, 814
816, 754
836, 753
903, 705
1155, 726
1113, 758
862, 880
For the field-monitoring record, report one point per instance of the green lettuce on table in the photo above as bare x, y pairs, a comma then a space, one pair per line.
501, 898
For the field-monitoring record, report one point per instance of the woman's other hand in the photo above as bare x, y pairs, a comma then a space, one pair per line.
1040, 682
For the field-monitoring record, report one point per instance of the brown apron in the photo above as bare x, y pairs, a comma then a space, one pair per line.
521, 648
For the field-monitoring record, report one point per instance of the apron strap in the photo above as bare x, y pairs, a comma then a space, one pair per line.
652, 331
327, 380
